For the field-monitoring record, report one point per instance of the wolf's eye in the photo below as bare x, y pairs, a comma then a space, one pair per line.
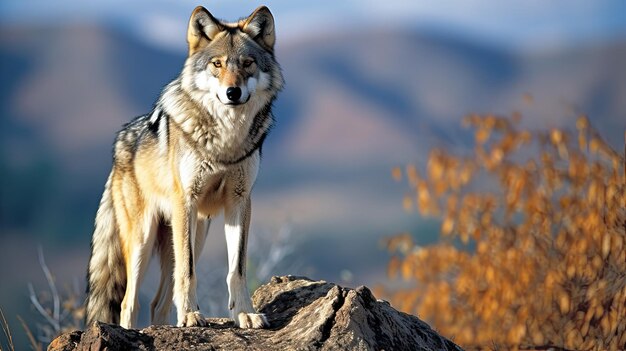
248, 63
217, 64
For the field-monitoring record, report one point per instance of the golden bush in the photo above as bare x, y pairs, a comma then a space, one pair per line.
533, 249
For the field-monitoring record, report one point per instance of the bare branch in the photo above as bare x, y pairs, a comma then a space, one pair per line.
35, 301
53, 289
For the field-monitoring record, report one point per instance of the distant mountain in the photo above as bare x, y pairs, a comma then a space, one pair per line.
423, 83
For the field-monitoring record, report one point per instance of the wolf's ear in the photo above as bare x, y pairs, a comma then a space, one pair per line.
202, 29
260, 26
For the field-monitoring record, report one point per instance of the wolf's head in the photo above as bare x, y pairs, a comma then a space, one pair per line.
232, 65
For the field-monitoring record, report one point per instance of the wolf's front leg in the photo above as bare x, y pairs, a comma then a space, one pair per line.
184, 218
237, 224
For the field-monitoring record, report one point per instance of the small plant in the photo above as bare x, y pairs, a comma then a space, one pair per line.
533, 250
60, 312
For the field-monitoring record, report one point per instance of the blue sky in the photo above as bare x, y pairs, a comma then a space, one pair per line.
530, 24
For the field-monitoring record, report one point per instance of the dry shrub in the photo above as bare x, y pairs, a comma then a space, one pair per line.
59, 312
537, 257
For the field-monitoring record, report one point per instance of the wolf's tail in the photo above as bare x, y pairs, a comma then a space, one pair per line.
106, 274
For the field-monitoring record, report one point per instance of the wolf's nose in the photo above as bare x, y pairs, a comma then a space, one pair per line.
233, 93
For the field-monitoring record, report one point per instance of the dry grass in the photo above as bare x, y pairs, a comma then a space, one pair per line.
536, 257
7, 334
34, 344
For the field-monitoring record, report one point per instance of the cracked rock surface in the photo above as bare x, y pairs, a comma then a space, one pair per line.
303, 315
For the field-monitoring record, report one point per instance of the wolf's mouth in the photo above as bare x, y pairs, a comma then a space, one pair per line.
233, 103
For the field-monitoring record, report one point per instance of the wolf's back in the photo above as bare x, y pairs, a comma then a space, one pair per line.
106, 274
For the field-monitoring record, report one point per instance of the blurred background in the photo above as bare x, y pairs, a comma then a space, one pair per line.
371, 85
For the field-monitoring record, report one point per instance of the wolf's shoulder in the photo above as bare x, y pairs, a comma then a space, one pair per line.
131, 131
128, 138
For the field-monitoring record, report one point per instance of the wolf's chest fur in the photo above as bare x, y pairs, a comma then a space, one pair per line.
214, 157
217, 134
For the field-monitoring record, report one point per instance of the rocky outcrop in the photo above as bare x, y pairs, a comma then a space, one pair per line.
303, 315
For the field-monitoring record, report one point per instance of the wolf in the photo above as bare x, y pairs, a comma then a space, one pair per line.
196, 154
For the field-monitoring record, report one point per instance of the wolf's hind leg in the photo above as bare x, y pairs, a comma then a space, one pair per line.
239, 303
161, 305
139, 252
202, 231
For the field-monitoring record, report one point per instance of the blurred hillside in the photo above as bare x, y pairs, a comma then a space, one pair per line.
355, 105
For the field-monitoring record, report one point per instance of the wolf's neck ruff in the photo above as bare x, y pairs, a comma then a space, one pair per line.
227, 135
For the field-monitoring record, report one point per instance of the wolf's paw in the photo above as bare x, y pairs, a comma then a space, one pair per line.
251, 320
192, 319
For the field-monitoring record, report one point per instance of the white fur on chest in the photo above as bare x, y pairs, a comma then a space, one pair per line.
212, 188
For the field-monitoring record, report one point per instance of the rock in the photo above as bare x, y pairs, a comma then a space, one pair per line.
303, 315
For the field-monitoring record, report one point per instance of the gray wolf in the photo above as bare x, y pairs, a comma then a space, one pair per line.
195, 154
